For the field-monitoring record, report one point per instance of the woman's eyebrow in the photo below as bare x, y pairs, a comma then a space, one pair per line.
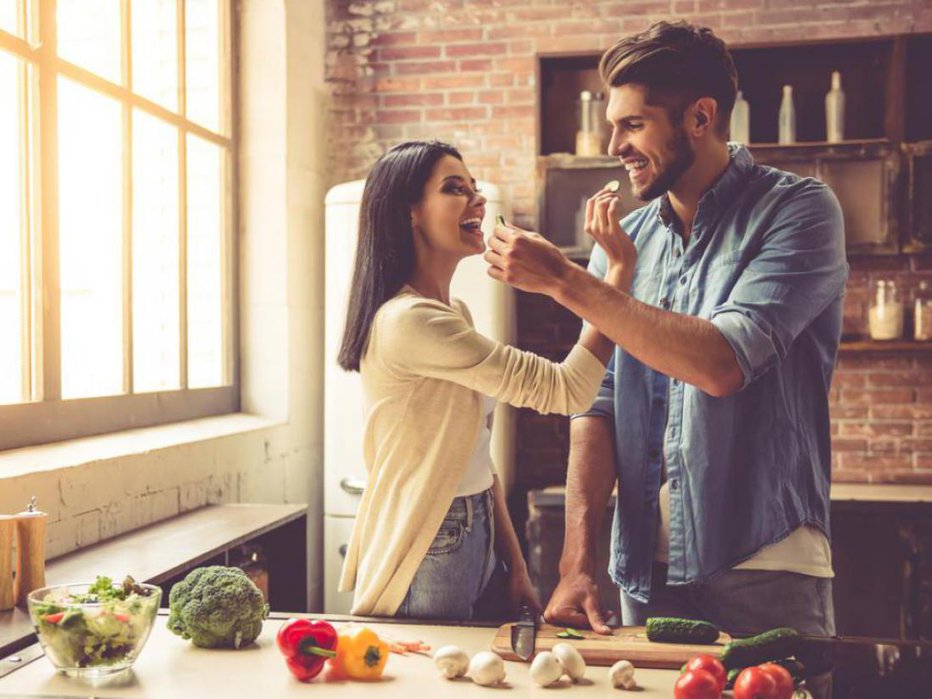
460, 178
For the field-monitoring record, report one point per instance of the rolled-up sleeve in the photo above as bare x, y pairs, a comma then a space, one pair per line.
800, 269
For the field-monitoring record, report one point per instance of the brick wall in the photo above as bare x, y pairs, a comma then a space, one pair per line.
463, 71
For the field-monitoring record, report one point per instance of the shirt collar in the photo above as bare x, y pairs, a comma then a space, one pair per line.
735, 175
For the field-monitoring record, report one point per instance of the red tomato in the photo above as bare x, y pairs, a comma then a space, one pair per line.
697, 684
754, 683
711, 665
782, 678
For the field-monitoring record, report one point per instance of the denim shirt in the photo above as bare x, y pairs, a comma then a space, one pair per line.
765, 263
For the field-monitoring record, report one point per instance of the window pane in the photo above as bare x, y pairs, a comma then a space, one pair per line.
202, 62
205, 250
89, 35
9, 16
155, 51
13, 146
156, 335
90, 212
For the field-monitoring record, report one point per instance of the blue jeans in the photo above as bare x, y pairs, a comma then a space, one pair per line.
458, 566
741, 601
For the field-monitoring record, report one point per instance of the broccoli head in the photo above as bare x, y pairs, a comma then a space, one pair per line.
217, 607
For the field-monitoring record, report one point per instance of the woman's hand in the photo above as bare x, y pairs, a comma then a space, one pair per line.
521, 592
604, 227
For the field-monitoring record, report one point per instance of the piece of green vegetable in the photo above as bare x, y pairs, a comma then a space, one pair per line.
217, 607
570, 633
663, 629
775, 644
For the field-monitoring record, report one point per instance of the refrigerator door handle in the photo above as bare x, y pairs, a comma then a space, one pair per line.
353, 486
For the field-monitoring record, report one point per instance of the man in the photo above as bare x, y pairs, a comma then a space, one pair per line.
713, 416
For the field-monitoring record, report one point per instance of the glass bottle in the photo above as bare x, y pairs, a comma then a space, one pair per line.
835, 111
740, 126
787, 121
922, 312
885, 318
589, 136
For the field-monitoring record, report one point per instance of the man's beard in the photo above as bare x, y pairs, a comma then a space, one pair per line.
682, 160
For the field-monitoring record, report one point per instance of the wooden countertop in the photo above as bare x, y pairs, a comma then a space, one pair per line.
841, 492
171, 667
157, 552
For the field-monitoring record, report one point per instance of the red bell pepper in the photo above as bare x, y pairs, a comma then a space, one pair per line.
306, 645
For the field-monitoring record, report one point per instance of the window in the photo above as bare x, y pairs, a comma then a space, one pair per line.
116, 216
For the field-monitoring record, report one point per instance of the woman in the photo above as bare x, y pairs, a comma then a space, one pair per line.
432, 522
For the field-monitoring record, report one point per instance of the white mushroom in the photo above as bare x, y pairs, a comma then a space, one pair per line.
451, 661
546, 669
621, 675
572, 661
486, 668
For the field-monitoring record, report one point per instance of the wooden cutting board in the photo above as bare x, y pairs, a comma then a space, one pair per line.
625, 643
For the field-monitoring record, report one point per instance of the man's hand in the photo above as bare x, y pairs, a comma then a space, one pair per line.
575, 603
526, 260
604, 227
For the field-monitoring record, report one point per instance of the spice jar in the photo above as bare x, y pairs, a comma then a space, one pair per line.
590, 135
885, 318
922, 312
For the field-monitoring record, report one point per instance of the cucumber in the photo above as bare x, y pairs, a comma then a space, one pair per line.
775, 644
665, 629
500, 220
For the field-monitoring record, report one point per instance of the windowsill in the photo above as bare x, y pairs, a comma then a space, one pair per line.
74, 452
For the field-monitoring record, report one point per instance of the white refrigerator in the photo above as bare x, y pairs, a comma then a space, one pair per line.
492, 307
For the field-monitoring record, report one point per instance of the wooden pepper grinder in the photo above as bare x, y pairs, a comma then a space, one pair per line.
30, 552
7, 527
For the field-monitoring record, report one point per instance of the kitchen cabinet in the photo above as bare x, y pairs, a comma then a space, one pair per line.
882, 172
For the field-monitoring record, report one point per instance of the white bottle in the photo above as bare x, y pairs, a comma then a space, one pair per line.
740, 126
787, 123
835, 111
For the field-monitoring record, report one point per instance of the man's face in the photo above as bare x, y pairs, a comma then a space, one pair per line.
654, 152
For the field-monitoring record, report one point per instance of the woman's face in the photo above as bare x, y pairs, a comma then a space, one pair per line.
448, 217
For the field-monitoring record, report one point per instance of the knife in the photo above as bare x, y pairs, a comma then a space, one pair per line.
524, 634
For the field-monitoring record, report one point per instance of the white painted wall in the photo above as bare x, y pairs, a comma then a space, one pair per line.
99, 487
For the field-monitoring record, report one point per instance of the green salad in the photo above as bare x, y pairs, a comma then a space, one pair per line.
102, 626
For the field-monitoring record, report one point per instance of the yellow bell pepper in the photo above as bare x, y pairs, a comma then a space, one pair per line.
361, 655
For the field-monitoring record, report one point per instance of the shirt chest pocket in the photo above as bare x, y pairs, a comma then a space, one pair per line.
715, 281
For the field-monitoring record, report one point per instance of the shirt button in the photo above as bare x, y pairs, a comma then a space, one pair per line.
664, 303
675, 382
676, 253
683, 279
674, 484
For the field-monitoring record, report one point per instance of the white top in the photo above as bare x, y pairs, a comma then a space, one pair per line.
480, 471
806, 550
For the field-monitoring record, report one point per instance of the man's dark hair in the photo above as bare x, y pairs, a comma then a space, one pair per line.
677, 63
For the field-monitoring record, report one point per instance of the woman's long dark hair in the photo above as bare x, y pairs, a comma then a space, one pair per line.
385, 249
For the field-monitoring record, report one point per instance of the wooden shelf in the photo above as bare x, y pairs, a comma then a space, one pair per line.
858, 346
162, 552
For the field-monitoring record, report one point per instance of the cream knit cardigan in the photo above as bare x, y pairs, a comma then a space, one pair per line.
423, 374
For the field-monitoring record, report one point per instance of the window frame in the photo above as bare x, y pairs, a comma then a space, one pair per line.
46, 417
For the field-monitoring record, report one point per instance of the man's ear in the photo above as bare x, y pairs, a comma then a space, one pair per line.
704, 111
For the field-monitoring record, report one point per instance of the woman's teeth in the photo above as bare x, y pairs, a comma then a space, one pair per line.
471, 224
